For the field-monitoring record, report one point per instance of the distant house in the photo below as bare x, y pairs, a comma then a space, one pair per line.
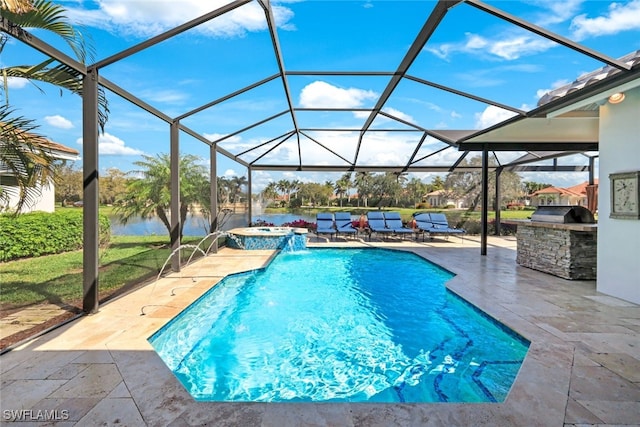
555, 196
44, 196
441, 198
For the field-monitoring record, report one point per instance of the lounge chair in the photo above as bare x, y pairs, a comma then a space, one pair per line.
377, 224
436, 223
394, 222
324, 224
344, 225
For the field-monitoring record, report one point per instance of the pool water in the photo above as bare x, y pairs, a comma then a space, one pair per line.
340, 325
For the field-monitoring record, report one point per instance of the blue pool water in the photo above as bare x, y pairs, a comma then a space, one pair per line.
340, 325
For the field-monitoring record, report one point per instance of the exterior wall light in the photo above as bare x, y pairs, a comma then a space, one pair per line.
616, 98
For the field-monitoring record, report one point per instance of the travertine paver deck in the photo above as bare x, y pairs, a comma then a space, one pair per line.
582, 368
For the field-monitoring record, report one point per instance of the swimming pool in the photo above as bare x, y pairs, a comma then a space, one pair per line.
350, 325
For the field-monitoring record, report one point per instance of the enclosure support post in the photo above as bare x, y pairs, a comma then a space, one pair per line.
498, 202
213, 193
249, 185
485, 201
175, 195
90, 222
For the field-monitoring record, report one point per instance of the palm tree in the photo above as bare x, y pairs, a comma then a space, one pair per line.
21, 153
363, 183
294, 187
285, 187
270, 192
150, 195
341, 187
347, 180
238, 182
224, 190
328, 188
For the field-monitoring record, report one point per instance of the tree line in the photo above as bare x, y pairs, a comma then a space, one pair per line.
366, 189
146, 191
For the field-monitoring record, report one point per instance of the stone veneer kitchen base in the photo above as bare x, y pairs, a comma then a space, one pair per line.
565, 250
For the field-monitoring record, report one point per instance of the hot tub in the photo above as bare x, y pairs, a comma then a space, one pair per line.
252, 238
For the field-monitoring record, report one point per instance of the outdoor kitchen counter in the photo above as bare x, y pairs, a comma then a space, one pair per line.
567, 250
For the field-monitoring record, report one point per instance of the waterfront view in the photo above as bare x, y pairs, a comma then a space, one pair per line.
196, 225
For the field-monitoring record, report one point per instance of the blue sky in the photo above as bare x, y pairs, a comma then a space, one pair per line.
470, 51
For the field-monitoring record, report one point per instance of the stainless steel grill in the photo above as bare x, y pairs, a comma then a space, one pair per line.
563, 215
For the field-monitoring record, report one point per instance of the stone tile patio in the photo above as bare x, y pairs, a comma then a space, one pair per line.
583, 366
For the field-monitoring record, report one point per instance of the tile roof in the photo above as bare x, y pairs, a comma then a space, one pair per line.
48, 145
587, 79
576, 190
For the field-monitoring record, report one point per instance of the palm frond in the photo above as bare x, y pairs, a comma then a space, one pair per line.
62, 76
24, 157
16, 6
46, 15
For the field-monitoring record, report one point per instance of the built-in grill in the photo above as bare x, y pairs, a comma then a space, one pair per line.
563, 215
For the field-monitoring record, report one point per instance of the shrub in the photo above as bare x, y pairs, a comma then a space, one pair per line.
515, 206
473, 226
262, 223
40, 233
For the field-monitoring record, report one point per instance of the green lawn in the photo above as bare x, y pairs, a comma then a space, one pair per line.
57, 279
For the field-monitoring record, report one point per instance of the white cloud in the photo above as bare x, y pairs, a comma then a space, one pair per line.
399, 114
492, 115
557, 11
516, 47
260, 179
58, 121
110, 145
217, 136
229, 173
148, 18
620, 17
320, 94
503, 46
16, 82
166, 96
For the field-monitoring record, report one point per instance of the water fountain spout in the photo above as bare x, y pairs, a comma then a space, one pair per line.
194, 247
288, 243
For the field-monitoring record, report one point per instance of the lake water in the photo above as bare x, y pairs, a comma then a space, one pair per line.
195, 225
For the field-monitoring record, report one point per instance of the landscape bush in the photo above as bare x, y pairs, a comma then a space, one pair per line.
40, 233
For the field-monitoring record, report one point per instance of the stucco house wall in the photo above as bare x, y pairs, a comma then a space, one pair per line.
618, 239
43, 197
443, 198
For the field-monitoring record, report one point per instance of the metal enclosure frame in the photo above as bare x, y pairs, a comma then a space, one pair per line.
465, 141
